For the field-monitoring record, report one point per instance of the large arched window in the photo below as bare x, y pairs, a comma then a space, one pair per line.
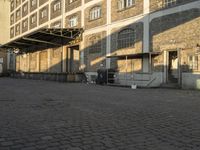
126, 38
95, 13
95, 44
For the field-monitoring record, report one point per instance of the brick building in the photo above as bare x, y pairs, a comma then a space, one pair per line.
148, 42
4, 36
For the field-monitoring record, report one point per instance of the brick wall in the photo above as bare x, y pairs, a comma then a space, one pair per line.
172, 32
70, 6
56, 60
57, 13
42, 2
46, 18
156, 5
33, 62
25, 11
98, 22
78, 15
133, 65
24, 28
134, 10
94, 59
43, 61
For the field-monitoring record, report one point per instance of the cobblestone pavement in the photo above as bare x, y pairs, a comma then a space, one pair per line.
62, 116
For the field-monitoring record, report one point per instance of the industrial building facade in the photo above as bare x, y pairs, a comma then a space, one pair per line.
147, 42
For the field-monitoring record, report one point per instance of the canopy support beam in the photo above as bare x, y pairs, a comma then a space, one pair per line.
41, 41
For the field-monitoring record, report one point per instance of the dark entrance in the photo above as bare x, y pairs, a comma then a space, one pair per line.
173, 67
73, 59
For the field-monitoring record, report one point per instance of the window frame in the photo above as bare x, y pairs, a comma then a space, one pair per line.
95, 13
33, 4
124, 41
95, 44
44, 13
71, 21
56, 6
169, 3
25, 22
35, 19
125, 4
193, 63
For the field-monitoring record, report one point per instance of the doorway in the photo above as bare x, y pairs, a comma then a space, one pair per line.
73, 61
173, 69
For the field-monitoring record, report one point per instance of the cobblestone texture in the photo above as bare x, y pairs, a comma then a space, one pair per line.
39, 115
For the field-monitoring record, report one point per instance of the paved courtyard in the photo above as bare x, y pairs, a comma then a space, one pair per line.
50, 115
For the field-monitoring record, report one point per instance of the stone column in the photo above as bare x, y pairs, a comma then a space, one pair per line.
146, 7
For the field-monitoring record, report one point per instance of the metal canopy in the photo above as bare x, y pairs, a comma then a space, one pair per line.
135, 56
45, 38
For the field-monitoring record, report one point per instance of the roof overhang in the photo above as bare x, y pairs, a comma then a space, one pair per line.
45, 38
136, 55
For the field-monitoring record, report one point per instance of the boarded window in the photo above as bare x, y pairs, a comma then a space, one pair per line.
95, 44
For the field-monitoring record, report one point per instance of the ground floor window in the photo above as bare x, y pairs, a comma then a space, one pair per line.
193, 62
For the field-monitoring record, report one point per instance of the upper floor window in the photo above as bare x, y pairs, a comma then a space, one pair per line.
33, 3
18, 28
12, 19
33, 19
25, 24
73, 21
12, 5
56, 6
18, 13
12, 31
58, 25
71, 1
95, 13
169, 3
126, 38
44, 13
122, 4
17, 3
25, 8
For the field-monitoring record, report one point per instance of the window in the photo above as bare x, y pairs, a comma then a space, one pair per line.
73, 21
12, 31
95, 44
193, 62
18, 14
122, 4
12, 19
169, 3
95, 13
44, 13
57, 25
12, 5
25, 8
25, 24
33, 19
33, 3
71, 1
17, 29
56, 6
17, 2
126, 38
